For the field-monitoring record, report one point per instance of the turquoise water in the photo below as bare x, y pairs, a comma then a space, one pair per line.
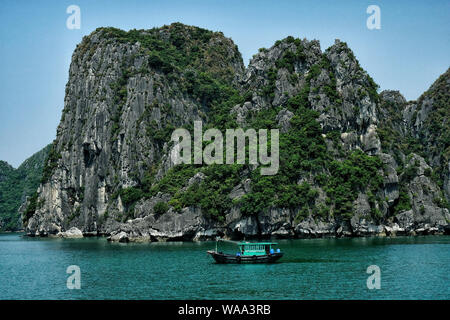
411, 268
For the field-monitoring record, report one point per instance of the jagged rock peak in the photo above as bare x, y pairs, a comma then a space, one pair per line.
392, 96
289, 49
439, 90
173, 47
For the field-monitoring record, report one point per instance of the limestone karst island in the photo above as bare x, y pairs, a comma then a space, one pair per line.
353, 162
168, 158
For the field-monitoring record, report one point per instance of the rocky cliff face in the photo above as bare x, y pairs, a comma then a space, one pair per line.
352, 161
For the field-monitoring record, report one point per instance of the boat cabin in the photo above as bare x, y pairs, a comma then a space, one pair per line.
256, 248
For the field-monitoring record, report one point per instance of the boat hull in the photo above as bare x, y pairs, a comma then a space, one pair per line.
229, 258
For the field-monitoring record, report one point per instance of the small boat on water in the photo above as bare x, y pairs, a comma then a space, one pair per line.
249, 252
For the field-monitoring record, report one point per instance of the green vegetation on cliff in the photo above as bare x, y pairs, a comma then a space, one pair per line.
16, 185
302, 153
435, 128
303, 150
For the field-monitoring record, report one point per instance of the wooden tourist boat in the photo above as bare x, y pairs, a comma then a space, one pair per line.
249, 252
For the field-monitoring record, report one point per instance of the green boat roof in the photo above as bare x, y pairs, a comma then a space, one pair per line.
257, 243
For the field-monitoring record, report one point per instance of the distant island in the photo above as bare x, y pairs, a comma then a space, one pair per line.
353, 161
16, 185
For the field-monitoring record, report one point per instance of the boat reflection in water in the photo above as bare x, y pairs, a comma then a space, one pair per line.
249, 252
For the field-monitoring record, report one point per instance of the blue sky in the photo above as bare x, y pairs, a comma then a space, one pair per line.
408, 53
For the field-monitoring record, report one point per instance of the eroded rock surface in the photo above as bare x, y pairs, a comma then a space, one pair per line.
128, 91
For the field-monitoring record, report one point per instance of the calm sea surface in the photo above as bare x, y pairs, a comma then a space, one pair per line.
411, 268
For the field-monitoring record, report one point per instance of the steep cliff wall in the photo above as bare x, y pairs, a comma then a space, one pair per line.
352, 161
